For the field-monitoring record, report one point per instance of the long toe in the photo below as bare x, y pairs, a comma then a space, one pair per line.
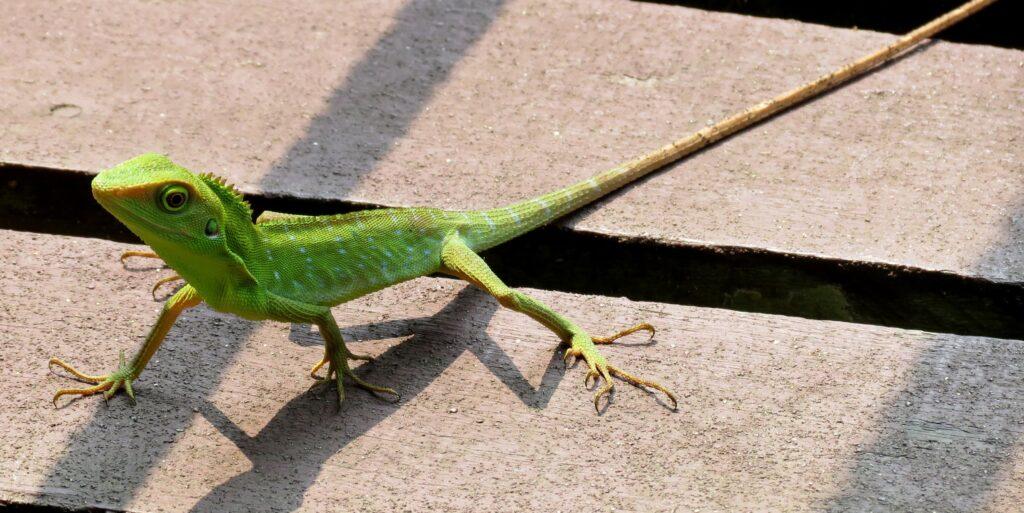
361, 357
643, 383
341, 389
84, 392
88, 378
132, 253
374, 388
643, 326
313, 371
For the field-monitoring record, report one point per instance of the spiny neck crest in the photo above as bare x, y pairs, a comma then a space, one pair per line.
229, 196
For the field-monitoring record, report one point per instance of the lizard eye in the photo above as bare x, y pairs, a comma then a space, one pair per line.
173, 198
212, 228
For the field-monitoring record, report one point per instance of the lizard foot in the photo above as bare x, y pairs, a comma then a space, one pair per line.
336, 360
109, 384
582, 347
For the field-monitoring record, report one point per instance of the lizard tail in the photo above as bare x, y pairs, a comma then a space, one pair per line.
492, 227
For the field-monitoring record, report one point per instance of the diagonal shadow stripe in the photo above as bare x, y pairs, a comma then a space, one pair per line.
947, 438
383, 93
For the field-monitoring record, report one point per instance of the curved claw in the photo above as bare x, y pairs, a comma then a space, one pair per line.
336, 373
74, 372
128, 390
148, 254
111, 391
605, 390
312, 372
341, 389
84, 392
573, 353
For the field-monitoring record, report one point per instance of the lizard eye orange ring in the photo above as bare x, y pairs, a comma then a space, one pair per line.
173, 198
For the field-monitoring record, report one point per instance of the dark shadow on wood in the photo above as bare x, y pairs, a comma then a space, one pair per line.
288, 453
382, 95
945, 440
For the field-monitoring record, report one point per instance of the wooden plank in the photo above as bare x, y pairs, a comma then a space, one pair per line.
777, 414
472, 104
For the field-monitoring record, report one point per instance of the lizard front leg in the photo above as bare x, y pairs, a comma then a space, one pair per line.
336, 354
125, 374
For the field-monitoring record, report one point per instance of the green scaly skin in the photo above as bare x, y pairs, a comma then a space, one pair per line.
293, 268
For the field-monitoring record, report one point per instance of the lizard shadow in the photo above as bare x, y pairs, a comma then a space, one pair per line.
288, 453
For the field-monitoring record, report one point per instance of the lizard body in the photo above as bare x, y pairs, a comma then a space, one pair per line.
293, 268
328, 260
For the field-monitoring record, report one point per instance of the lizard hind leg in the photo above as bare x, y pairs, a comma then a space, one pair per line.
459, 260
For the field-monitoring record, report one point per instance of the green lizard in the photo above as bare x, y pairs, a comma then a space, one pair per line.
293, 268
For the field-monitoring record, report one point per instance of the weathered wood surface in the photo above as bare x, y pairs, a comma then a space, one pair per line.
776, 413
472, 104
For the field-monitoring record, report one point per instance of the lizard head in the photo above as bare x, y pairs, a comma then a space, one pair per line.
161, 202
193, 221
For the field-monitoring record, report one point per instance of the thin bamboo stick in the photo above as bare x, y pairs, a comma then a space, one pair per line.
711, 134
